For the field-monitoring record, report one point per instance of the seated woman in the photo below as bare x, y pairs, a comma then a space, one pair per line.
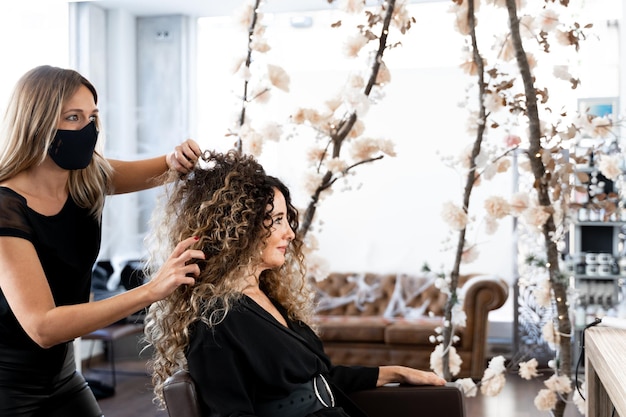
243, 329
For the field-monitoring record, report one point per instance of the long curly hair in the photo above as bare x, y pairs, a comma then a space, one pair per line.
227, 202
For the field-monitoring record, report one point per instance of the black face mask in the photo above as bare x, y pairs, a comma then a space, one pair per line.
73, 149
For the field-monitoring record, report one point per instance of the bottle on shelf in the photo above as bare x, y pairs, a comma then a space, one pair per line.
621, 306
580, 312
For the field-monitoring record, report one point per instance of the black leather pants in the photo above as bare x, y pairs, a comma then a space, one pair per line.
27, 391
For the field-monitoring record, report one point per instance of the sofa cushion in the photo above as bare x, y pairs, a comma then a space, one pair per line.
351, 328
412, 332
416, 332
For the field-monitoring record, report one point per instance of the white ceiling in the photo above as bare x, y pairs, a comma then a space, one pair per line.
200, 8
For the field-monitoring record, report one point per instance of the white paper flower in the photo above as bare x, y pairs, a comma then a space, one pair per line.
436, 360
609, 166
357, 129
352, 6
492, 382
497, 207
278, 77
548, 20
545, 400
243, 15
253, 145
470, 253
454, 216
519, 203
354, 44
336, 165
550, 335
601, 127
528, 370
562, 72
312, 181
560, 384
260, 45
317, 266
503, 165
579, 401
461, 23
497, 364
468, 387
384, 75
459, 318
527, 27
271, 131
491, 225
535, 216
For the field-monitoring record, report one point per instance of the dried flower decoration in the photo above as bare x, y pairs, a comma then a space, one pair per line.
454, 216
528, 370
610, 166
545, 400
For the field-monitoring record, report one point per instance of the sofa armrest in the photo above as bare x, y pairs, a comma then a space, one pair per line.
482, 294
410, 400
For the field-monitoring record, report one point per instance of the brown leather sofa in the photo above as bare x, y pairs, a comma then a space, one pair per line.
389, 401
379, 319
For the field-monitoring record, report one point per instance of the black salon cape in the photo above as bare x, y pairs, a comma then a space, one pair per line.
251, 358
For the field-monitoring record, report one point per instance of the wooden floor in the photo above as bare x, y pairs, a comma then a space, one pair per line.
133, 396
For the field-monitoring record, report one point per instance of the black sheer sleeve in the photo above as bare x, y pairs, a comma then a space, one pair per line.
13, 215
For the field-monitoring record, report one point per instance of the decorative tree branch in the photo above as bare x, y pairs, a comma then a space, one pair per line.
552, 172
339, 133
244, 97
258, 82
559, 284
448, 331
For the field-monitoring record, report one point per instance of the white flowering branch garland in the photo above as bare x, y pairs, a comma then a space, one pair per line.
557, 280
244, 98
552, 172
453, 301
328, 162
348, 126
337, 125
257, 84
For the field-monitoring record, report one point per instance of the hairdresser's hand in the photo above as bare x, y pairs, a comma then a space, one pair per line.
184, 157
406, 375
177, 270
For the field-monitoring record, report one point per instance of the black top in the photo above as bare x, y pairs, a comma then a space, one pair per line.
251, 358
67, 245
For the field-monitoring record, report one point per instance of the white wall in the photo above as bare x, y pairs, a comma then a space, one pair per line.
33, 33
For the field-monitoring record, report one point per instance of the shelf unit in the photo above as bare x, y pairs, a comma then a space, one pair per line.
596, 257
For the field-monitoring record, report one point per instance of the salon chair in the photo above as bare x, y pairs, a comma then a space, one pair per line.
388, 401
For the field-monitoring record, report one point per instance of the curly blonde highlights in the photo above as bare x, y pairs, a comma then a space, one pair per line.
224, 202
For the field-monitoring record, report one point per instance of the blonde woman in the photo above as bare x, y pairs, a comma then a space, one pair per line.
53, 184
242, 331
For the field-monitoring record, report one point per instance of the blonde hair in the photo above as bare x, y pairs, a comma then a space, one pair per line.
226, 206
29, 126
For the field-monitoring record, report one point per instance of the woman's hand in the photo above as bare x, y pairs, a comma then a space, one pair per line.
177, 270
184, 157
406, 375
